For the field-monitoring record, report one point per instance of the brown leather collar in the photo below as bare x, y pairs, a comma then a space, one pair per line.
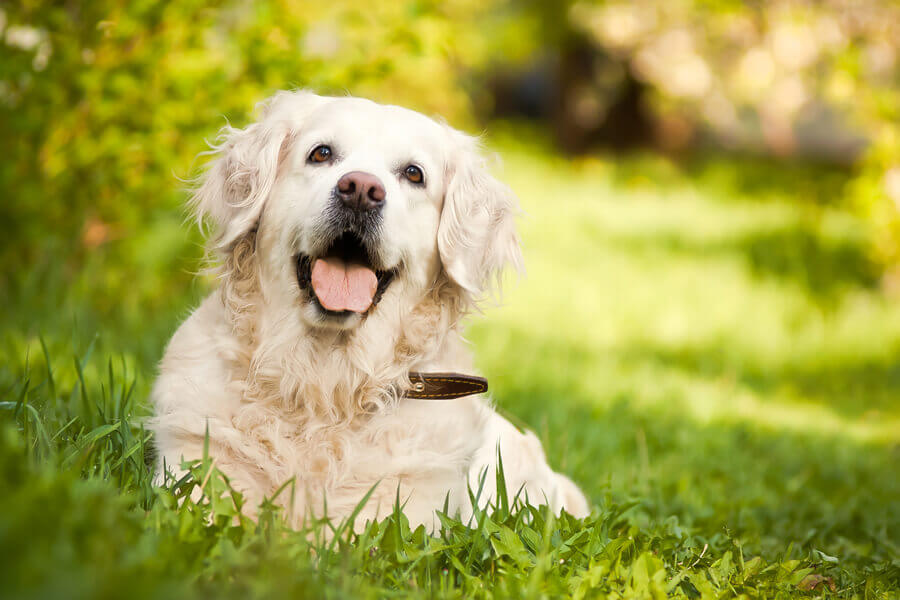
444, 386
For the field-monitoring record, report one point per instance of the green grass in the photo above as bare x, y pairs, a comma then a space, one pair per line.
703, 347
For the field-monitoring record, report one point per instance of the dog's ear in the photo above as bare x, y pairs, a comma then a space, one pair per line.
234, 189
477, 234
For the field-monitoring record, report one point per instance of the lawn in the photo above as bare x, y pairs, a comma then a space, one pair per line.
704, 347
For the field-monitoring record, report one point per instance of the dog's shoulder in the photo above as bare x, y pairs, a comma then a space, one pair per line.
196, 359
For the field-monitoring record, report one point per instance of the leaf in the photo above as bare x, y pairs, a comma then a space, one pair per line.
506, 542
824, 557
86, 441
814, 581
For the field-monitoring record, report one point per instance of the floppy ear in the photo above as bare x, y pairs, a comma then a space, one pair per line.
477, 235
237, 183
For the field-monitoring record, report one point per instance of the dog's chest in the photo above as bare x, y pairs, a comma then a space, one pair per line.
417, 441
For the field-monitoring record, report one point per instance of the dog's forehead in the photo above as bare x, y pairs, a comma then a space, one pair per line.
357, 120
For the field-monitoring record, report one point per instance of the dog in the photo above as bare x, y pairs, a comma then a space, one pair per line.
351, 238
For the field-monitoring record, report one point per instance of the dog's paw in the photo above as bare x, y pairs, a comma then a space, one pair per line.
573, 499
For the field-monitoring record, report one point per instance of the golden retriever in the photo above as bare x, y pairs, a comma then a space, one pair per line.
351, 239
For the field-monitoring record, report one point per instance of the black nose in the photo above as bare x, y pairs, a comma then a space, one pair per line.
361, 191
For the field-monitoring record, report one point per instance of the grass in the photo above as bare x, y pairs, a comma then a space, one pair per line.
703, 347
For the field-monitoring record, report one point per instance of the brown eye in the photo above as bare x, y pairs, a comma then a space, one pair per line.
414, 174
320, 154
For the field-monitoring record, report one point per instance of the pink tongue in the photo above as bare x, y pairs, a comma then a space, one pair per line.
342, 286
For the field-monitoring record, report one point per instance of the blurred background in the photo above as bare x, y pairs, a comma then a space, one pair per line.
712, 234
105, 105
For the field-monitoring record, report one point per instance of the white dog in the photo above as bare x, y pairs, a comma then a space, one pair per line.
352, 238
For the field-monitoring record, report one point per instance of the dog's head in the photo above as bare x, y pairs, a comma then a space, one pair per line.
352, 204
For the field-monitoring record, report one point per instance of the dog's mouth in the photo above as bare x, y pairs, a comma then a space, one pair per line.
344, 279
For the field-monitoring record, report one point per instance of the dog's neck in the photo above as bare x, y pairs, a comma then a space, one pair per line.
331, 376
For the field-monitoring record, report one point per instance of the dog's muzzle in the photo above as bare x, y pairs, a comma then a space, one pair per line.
344, 278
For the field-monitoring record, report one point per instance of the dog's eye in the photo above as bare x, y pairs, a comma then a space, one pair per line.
414, 174
321, 154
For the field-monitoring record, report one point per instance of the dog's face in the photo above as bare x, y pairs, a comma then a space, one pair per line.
356, 204
359, 207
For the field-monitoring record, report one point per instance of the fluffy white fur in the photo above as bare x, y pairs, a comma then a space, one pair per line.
287, 392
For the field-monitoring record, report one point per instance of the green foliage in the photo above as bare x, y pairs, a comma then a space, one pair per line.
91, 533
103, 104
875, 194
785, 79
